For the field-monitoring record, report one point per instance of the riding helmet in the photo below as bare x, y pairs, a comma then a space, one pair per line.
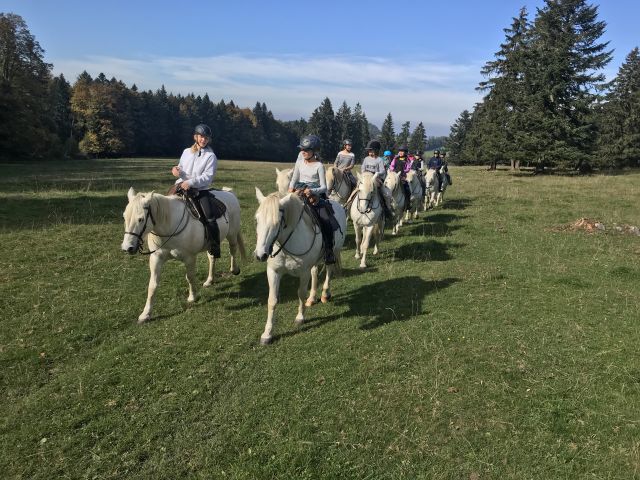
203, 130
309, 142
373, 145
347, 141
387, 153
403, 148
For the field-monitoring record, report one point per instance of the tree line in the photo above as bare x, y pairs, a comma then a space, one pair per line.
546, 101
42, 116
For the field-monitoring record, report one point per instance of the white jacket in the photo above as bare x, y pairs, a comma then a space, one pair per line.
199, 168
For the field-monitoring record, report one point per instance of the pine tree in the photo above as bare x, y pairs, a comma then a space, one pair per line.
322, 123
403, 136
619, 118
360, 131
418, 139
568, 55
343, 124
388, 135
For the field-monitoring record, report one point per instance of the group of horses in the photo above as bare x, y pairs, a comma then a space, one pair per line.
288, 236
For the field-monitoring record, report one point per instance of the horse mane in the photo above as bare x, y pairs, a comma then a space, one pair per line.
160, 206
393, 180
367, 181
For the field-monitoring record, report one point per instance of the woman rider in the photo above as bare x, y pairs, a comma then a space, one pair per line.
401, 164
195, 173
373, 163
308, 180
346, 160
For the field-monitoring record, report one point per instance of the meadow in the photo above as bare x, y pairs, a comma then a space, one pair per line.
483, 342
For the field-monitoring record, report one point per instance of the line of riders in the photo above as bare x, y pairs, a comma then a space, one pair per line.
197, 167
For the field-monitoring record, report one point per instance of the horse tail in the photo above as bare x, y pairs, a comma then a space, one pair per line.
243, 250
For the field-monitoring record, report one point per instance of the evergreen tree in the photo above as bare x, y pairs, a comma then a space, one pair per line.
322, 123
403, 136
568, 54
343, 124
619, 118
418, 139
60, 98
388, 135
360, 131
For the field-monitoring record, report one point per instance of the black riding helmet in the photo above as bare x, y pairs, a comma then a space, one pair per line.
309, 142
436, 152
403, 148
373, 145
203, 130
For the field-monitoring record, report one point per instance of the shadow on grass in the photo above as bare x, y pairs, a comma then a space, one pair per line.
425, 251
460, 203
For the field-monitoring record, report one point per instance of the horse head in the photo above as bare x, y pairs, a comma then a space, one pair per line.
138, 221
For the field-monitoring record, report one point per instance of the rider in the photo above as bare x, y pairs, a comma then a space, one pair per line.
346, 160
445, 167
195, 173
373, 163
386, 159
401, 164
418, 166
435, 163
309, 181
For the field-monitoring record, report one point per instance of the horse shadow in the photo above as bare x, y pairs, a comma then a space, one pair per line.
384, 302
437, 225
423, 251
459, 203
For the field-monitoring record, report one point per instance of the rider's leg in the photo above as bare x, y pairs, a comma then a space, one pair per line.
327, 235
210, 223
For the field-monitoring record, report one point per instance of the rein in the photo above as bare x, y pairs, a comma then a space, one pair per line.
281, 228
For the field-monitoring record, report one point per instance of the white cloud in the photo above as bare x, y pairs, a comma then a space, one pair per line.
292, 86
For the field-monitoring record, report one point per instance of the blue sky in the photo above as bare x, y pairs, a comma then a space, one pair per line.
418, 60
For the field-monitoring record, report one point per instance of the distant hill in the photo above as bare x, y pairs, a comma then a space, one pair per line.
374, 131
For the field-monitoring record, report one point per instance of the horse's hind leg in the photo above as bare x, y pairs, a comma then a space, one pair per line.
155, 268
274, 286
212, 271
233, 249
311, 299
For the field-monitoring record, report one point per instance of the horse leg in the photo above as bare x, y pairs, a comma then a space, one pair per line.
311, 299
155, 268
212, 270
302, 292
366, 236
190, 263
273, 278
233, 250
356, 229
326, 291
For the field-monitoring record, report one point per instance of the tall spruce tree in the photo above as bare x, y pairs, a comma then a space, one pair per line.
418, 139
403, 136
343, 124
619, 118
322, 123
568, 55
360, 131
388, 135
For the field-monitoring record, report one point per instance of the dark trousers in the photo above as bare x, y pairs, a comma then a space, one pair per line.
208, 214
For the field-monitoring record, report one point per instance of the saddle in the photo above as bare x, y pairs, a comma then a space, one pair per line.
322, 212
193, 197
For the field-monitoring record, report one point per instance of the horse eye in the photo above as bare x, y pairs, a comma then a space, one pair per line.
140, 220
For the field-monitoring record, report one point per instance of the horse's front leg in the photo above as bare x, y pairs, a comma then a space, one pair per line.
212, 271
155, 268
356, 229
190, 264
311, 299
326, 290
234, 268
366, 237
273, 278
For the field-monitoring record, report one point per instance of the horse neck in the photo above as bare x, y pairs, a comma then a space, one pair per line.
165, 211
302, 225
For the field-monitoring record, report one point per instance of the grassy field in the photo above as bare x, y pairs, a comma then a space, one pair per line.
482, 343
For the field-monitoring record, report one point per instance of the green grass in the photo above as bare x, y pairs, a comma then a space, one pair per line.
481, 342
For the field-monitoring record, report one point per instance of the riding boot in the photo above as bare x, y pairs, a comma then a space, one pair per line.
214, 237
327, 236
407, 195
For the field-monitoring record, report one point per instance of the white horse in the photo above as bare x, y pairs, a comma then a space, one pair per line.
173, 232
283, 177
433, 187
283, 224
338, 185
394, 184
416, 195
367, 215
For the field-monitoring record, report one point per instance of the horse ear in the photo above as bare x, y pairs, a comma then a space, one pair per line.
359, 176
131, 194
259, 195
277, 171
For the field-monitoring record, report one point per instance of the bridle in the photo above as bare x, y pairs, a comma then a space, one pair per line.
149, 216
282, 225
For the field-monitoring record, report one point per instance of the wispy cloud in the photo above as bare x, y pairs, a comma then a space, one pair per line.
292, 86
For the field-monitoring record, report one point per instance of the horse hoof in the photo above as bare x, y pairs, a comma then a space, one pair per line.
310, 303
325, 298
298, 321
265, 340
208, 283
143, 318
235, 272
